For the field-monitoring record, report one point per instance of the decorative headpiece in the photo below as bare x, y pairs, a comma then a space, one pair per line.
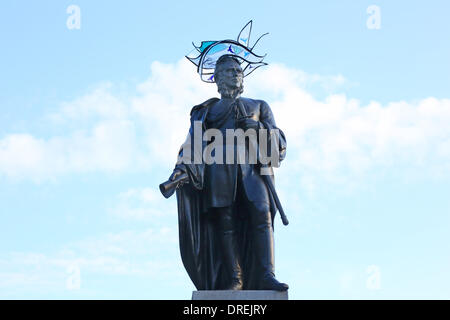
211, 51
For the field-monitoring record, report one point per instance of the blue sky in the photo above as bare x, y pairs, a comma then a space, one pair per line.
365, 182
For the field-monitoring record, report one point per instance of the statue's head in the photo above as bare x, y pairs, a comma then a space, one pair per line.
229, 77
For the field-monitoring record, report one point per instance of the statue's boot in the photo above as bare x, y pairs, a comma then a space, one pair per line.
231, 260
264, 250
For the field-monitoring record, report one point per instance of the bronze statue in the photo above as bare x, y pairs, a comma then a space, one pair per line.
226, 208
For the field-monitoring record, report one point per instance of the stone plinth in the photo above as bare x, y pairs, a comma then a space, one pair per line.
239, 295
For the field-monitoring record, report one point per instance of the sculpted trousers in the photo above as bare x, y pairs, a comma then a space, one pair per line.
262, 233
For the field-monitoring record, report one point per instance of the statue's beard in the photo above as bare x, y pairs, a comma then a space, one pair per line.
229, 92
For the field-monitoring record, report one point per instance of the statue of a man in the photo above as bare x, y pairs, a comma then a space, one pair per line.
226, 209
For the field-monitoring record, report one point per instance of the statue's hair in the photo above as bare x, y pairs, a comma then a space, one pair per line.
224, 90
220, 62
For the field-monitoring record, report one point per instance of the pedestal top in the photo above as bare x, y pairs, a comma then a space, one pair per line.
239, 295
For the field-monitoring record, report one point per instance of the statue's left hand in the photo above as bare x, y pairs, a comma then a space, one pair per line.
175, 174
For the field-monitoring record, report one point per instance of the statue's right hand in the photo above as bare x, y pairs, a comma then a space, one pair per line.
175, 174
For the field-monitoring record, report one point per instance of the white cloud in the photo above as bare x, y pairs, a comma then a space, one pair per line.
332, 139
340, 140
149, 254
108, 146
100, 104
148, 242
143, 204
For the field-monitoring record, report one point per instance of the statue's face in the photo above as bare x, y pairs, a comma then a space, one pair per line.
231, 74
